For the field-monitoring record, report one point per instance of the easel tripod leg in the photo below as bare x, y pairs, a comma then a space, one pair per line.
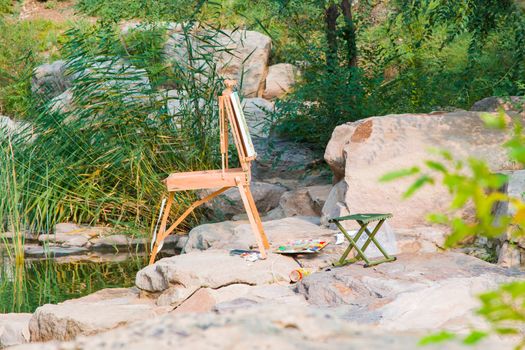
162, 228
256, 227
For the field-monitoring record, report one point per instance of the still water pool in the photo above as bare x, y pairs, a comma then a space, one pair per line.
36, 282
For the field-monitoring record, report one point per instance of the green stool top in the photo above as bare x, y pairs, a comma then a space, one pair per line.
365, 218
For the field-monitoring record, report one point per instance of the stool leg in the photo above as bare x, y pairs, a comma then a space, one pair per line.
353, 244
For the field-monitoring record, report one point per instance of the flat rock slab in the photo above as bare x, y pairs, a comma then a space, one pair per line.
238, 235
416, 292
241, 296
258, 327
44, 252
178, 277
95, 313
14, 329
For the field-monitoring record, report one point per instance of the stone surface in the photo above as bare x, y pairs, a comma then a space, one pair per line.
229, 203
256, 327
280, 80
278, 158
178, 277
52, 251
417, 292
10, 127
95, 313
512, 105
238, 235
50, 80
258, 113
510, 248
306, 201
241, 55
361, 152
73, 235
14, 329
245, 59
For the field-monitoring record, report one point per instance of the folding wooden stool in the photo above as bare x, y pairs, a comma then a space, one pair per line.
363, 220
230, 114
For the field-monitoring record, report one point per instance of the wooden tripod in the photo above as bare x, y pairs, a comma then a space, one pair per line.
230, 113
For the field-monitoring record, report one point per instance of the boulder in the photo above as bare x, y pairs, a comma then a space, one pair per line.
240, 296
244, 58
73, 235
93, 314
229, 203
240, 54
239, 235
258, 113
417, 292
178, 277
262, 327
14, 329
280, 80
512, 105
307, 201
510, 247
359, 153
282, 159
10, 127
50, 80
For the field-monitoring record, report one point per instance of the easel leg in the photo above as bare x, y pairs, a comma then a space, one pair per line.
259, 234
162, 228
257, 218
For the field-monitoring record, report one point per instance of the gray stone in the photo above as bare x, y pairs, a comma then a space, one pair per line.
52, 251
104, 310
229, 203
14, 329
259, 327
417, 292
178, 277
278, 158
307, 201
359, 153
280, 80
258, 113
239, 235
50, 80
512, 105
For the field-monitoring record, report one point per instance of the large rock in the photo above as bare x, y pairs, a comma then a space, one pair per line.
280, 80
245, 59
178, 277
258, 115
512, 105
416, 292
241, 55
50, 80
95, 313
282, 159
10, 127
361, 152
263, 327
511, 247
229, 203
14, 329
238, 235
306, 201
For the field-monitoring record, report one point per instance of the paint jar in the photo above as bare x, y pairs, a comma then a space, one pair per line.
297, 275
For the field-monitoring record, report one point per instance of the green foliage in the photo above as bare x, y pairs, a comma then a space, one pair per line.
171, 10
22, 43
103, 158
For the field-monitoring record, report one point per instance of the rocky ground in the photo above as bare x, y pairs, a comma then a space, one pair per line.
206, 298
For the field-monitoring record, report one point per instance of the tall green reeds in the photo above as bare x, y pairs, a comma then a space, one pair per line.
101, 154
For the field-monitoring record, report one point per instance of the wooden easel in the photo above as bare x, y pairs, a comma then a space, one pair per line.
230, 113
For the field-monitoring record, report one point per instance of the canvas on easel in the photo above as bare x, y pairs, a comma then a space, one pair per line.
230, 115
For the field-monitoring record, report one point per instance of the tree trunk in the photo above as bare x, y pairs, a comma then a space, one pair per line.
331, 14
349, 33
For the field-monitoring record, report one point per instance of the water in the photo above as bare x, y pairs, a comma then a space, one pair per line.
25, 287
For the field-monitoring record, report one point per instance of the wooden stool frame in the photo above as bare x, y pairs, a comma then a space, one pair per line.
230, 114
